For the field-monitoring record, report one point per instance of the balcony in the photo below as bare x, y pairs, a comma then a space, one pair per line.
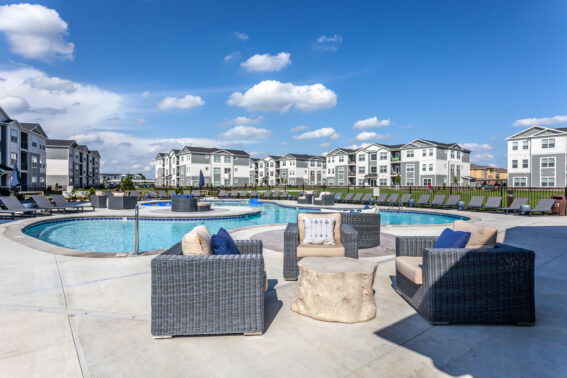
395, 159
352, 162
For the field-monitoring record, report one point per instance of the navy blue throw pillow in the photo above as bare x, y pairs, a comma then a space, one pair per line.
223, 244
452, 239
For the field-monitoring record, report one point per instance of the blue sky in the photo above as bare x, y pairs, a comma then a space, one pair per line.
131, 78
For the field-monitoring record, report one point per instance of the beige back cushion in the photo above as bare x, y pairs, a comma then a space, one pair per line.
336, 231
197, 242
481, 236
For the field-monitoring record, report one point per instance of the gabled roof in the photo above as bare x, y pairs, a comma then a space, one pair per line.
60, 143
301, 156
4, 116
160, 155
342, 151
94, 153
538, 130
213, 150
34, 128
433, 143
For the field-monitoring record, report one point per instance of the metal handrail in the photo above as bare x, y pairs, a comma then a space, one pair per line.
137, 233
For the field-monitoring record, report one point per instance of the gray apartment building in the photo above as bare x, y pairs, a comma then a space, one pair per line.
22, 145
70, 163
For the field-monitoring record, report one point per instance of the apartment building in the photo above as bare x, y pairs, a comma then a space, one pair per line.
420, 162
22, 145
488, 174
537, 157
220, 167
70, 163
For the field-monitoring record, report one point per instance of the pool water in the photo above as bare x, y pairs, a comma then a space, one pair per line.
117, 234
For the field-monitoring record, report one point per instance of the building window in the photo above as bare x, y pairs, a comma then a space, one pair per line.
383, 156
548, 143
311, 163
520, 181
361, 157
514, 146
514, 163
13, 158
409, 153
431, 152
227, 159
14, 136
452, 154
525, 163
458, 154
427, 182
410, 181
216, 158
548, 181
383, 182
361, 169
525, 144
548, 162
424, 167
373, 157
34, 141
373, 170
383, 169
34, 161
410, 168
430, 167
423, 152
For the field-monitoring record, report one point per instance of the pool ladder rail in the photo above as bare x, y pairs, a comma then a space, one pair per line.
137, 232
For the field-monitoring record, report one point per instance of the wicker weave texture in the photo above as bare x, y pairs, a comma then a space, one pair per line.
367, 225
211, 294
478, 286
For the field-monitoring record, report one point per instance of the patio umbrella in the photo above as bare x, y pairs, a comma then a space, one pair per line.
15, 181
201, 179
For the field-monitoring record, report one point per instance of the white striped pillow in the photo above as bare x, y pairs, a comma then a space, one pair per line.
319, 231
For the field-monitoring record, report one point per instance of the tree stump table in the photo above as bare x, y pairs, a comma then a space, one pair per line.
336, 289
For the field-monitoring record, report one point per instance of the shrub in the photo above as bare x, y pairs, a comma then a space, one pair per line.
127, 184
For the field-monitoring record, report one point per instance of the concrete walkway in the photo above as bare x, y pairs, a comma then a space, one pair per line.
69, 316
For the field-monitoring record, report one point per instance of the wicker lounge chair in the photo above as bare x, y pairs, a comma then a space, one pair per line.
516, 205
475, 202
347, 197
347, 239
325, 199
393, 199
452, 201
405, 199
368, 227
44, 204
492, 203
545, 205
423, 200
438, 200
14, 206
481, 286
356, 198
381, 198
305, 198
62, 202
208, 294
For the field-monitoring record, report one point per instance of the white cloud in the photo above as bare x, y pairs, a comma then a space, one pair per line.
231, 56
145, 94
267, 62
243, 120
369, 135
35, 32
370, 123
14, 104
298, 128
284, 143
61, 106
241, 36
480, 152
328, 43
274, 96
357, 146
527, 122
246, 132
324, 132
477, 146
326, 144
187, 102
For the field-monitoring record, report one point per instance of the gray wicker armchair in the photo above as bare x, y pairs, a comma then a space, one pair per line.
480, 286
368, 227
348, 238
324, 200
208, 294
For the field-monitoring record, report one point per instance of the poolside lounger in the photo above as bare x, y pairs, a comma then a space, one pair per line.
243, 194
381, 198
438, 200
476, 202
452, 201
393, 199
186, 192
275, 194
404, 200
367, 198
44, 204
543, 206
266, 194
283, 195
196, 193
493, 203
234, 194
423, 200
253, 194
348, 197
62, 202
338, 196
152, 194
171, 193
15, 206
134, 193
162, 194
515, 206
222, 194
356, 198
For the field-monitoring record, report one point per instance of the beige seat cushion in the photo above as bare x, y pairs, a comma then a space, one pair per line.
197, 242
481, 236
320, 250
336, 231
410, 268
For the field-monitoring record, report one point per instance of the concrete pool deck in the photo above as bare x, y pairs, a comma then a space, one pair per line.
68, 316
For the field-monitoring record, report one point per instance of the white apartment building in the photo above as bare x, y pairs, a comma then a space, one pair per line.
69, 163
220, 167
537, 157
22, 145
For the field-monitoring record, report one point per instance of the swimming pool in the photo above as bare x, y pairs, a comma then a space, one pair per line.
114, 235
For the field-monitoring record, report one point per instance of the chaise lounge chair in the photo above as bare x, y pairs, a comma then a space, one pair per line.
451, 202
234, 194
475, 202
284, 195
356, 198
253, 194
44, 204
381, 199
404, 200
438, 200
544, 205
423, 200
492, 203
196, 193
162, 194
14, 206
338, 197
266, 194
393, 199
275, 194
367, 199
62, 202
517, 203
348, 197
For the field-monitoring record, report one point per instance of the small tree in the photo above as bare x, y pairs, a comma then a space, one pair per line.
398, 179
56, 186
92, 192
126, 184
455, 180
142, 176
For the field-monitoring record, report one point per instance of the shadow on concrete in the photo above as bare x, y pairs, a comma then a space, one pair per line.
272, 305
548, 242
